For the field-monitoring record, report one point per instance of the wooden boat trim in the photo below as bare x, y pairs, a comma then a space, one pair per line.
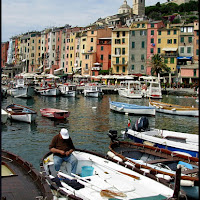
20, 107
152, 170
171, 106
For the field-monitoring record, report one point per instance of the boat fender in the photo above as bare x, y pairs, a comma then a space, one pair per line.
110, 154
182, 153
187, 183
173, 109
117, 158
166, 177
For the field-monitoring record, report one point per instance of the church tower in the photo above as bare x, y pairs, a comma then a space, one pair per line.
139, 7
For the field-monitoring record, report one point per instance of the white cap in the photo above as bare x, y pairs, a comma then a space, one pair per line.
64, 133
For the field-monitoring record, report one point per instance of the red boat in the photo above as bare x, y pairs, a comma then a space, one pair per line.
54, 113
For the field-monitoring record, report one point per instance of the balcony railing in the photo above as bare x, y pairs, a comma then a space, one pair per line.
96, 68
169, 55
120, 63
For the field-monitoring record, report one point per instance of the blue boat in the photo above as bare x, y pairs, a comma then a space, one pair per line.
131, 108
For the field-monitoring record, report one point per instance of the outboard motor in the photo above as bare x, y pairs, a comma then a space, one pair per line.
142, 124
113, 135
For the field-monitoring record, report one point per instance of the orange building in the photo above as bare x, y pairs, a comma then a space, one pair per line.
4, 49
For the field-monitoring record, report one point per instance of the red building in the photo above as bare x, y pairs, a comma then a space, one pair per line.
4, 49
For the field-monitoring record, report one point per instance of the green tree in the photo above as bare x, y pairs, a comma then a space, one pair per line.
157, 65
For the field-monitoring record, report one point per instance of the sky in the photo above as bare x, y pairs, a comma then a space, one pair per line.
21, 16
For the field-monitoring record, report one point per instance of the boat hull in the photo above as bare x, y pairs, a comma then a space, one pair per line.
54, 113
21, 92
131, 108
128, 94
191, 147
49, 92
4, 116
92, 94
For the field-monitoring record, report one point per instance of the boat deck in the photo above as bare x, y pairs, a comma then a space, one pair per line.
20, 185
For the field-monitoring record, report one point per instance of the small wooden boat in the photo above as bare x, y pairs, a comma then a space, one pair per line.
4, 116
171, 140
20, 180
160, 162
54, 113
68, 90
92, 90
131, 108
130, 89
98, 177
21, 113
21, 90
174, 109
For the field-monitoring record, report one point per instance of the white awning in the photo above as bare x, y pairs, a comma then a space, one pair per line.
41, 67
60, 69
46, 69
169, 49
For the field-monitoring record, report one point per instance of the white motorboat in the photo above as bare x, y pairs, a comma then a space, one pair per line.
130, 89
92, 90
68, 90
98, 177
4, 116
171, 140
21, 90
52, 92
153, 90
21, 113
131, 108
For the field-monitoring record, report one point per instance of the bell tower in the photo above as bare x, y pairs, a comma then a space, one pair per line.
139, 7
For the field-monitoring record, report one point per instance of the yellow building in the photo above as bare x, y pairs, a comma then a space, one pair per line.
120, 51
167, 45
71, 52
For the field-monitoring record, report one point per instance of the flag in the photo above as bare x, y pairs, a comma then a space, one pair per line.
129, 122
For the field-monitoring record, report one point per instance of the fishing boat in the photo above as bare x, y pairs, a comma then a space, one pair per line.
93, 90
131, 108
98, 177
54, 113
48, 91
153, 90
21, 113
174, 141
4, 116
20, 180
21, 90
174, 109
130, 89
68, 90
160, 162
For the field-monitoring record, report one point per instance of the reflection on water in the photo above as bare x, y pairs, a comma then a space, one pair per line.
88, 124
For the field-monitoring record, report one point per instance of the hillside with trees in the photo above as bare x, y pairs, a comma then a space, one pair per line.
186, 12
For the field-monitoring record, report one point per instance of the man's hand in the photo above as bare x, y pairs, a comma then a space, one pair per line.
67, 153
62, 152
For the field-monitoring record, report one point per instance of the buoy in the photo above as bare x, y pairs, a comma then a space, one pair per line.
126, 113
117, 158
145, 170
166, 177
187, 183
110, 154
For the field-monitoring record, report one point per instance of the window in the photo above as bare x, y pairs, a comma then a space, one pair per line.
190, 39
197, 52
152, 32
138, 25
91, 48
123, 69
182, 49
133, 33
152, 25
182, 39
175, 32
195, 72
132, 57
168, 32
142, 57
142, 67
143, 44
123, 51
83, 46
152, 40
165, 60
188, 49
86, 66
132, 67
159, 32
117, 68
190, 29
169, 41
118, 34
117, 60
117, 41
123, 40
92, 32
101, 57
175, 41
151, 50
123, 33
159, 41
39, 41
91, 39
143, 25
123, 60
101, 48
133, 45
87, 57
158, 50
117, 51
172, 60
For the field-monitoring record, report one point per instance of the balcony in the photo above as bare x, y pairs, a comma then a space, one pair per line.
169, 54
120, 63
116, 55
96, 68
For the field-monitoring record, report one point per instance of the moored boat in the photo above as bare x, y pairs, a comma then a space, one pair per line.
21, 113
130, 89
171, 140
98, 177
174, 109
20, 180
49, 91
68, 90
153, 90
92, 90
54, 113
160, 162
4, 116
131, 108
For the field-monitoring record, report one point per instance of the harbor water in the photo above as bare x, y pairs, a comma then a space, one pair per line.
88, 124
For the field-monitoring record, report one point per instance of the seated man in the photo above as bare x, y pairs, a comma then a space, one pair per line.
62, 148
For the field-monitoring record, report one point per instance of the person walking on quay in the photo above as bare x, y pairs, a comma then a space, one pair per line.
62, 147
